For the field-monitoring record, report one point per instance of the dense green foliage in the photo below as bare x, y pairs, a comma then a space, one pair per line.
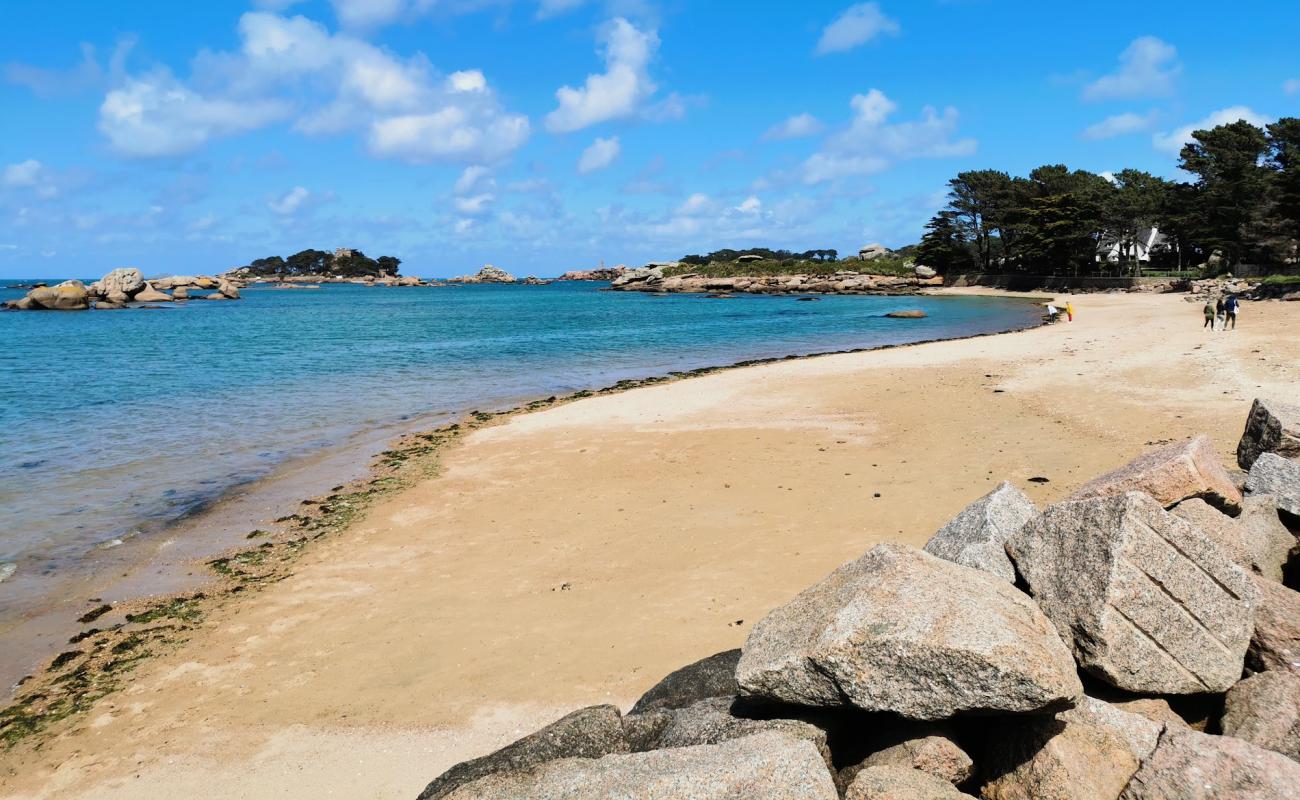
727, 255
344, 264
1243, 204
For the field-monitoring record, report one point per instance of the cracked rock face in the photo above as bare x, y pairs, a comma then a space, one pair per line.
1170, 474
1256, 539
899, 630
1148, 602
976, 536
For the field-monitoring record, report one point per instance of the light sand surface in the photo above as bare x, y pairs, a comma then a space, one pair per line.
576, 555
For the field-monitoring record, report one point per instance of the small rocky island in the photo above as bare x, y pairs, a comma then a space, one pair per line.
1139, 640
343, 265
875, 270
125, 287
491, 274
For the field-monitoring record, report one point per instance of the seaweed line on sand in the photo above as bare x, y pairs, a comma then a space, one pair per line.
98, 661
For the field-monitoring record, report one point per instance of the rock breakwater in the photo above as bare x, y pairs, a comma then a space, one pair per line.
1025, 653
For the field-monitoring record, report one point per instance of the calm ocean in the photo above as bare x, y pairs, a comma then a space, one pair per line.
114, 420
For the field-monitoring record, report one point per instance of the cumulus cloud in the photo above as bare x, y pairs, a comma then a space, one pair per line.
858, 25
1172, 141
750, 205
290, 201
157, 115
796, 127
1119, 125
327, 83
473, 177
616, 93
1147, 68
871, 144
599, 155
23, 174
475, 205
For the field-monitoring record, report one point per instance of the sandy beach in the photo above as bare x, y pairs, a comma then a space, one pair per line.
575, 555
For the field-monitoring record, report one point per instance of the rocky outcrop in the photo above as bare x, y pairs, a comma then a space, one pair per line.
587, 733
1272, 427
602, 274
976, 537
1280, 477
874, 251
652, 279
899, 783
1171, 474
127, 281
1255, 539
1264, 709
151, 295
901, 631
1275, 644
924, 272
767, 766
1188, 765
909, 314
488, 274
66, 296
714, 676
1147, 601
116, 290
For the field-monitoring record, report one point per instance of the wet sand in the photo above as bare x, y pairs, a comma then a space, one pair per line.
575, 555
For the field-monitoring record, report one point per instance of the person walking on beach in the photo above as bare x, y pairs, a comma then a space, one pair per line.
1219, 313
1230, 312
1209, 314
1069, 311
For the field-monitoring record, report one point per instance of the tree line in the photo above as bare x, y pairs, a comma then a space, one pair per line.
1242, 205
346, 264
726, 255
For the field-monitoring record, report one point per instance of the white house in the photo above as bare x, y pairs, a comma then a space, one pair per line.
1140, 249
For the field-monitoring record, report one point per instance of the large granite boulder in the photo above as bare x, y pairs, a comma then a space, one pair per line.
1280, 477
714, 676
874, 251
1188, 765
1272, 427
127, 280
1148, 602
766, 766
923, 272
67, 296
899, 783
229, 290
151, 295
1256, 539
899, 630
1171, 474
1275, 643
934, 752
976, 537
587, 733
711, 721
1264, 709
1087, 753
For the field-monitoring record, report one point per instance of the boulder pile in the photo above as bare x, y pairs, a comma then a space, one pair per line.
601, 274
488, 274
1138, 640
120, 287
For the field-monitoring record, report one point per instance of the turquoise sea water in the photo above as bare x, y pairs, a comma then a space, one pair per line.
113, 419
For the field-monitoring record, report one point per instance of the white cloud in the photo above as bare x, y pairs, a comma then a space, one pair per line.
1119, 125
328, 83
1147, 68
155, 115
618, 91
290, 202
471, 178
796, 127
1291, 86
599, 155
751, 205
23, 174
858, 25
872, 144
698, 203
1172, 142
475, 205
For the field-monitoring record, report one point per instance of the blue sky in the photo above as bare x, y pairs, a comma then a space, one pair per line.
544, 135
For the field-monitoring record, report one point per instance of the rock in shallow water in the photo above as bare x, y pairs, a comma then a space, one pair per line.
766, 766
1170, 474
976, 536
899, 630
1188, 765
1148, 602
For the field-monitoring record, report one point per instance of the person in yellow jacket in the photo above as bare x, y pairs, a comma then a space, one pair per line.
1069, 311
